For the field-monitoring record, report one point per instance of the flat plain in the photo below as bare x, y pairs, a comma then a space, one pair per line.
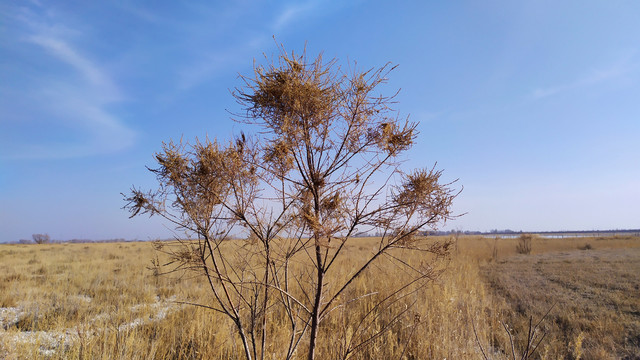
592, 296
108, 300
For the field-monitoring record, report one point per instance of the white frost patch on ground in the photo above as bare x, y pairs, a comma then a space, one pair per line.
50, 341
84, 298
159, 310
9, 316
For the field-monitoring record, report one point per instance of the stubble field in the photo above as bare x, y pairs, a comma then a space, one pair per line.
104, 300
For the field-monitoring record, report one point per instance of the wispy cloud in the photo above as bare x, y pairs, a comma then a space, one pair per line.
140, 12
210, 61
213, 62
74, 100
616, 70
293, 12
93, 74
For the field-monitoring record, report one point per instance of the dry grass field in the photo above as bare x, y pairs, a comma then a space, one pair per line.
93, 301
596, 295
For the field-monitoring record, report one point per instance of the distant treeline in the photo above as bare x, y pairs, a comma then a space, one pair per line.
507, 232
635, 232
74, 241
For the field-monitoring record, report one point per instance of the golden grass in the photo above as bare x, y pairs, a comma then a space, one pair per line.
101, 301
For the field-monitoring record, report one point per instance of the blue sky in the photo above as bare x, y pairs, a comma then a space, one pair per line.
533, 105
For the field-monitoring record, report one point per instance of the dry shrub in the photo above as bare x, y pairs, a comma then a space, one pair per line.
524, 244
323, 165
41, 238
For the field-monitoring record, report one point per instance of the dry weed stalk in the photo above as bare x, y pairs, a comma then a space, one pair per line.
535, 336
322, 167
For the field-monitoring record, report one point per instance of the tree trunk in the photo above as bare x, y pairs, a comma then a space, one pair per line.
266, 297
315, 312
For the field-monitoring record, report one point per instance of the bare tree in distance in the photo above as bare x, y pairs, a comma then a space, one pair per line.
323, 165
41, 238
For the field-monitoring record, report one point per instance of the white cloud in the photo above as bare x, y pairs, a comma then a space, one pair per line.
96, 77
291, 13
207, 65
73, 100
542, 93
140, 12
77, 119
213, 62
104, 132
209, 62
616, 70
